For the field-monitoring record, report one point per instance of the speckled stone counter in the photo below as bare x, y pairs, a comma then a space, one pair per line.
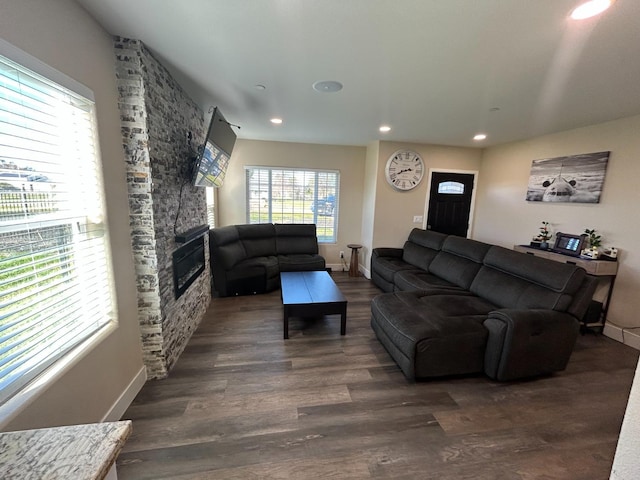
78, 452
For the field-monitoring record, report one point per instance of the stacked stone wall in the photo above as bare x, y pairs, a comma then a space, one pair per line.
161, 126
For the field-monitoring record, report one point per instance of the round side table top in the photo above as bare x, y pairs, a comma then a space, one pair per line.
354, 245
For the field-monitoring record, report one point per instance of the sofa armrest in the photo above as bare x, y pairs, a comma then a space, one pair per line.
525, 343
387, 252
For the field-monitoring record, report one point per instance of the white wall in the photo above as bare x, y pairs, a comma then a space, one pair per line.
62, 35
369, 206
504, 217
350, 161
394, 210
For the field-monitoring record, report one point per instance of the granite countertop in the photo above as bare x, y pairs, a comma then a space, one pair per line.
78, 452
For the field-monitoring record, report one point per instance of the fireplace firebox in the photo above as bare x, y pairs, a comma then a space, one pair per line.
188, 264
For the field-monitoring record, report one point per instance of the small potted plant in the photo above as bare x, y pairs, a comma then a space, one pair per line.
595, 242
544, 236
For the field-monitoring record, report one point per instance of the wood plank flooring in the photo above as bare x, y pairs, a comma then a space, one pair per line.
242, 403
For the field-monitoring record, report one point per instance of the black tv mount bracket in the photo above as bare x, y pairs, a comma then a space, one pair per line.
221, 120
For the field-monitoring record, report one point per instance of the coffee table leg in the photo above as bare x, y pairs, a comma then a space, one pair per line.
343, 321
286, 323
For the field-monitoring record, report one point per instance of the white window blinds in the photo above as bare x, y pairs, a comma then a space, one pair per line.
55, 287
278, 195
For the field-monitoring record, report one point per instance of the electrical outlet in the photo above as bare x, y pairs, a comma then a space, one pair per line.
341, 254
417, 219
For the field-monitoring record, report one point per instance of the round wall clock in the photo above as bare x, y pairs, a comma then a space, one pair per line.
404, 170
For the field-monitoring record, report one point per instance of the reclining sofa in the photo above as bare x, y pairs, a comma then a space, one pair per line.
458, 306
248, 259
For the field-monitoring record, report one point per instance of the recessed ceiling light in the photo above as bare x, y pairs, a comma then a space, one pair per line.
276, 121
590, 9
327, 86
479, 136
385, 128
260, 87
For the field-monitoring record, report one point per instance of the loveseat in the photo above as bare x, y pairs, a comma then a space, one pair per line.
247, 259
458, 306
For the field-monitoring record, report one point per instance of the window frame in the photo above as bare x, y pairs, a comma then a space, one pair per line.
309, 205
15, 399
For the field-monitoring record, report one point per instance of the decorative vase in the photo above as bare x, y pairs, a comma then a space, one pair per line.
544, 245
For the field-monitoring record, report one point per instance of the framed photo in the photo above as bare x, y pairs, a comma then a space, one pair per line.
570, 179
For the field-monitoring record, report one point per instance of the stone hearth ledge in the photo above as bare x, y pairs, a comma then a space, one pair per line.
81, 452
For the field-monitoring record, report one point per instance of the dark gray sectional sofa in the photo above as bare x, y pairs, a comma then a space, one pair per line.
458, 306
248, 259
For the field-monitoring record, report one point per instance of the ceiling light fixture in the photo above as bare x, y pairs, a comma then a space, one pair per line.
327, 86
479, 136
276, 121
385, 128
590, 9
260, 87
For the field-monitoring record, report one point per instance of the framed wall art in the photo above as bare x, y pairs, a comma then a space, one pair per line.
570, 179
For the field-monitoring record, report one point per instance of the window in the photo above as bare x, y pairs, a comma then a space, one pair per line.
451, 188
278, 195
55, 287
211, 195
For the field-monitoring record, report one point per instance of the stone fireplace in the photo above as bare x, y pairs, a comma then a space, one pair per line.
161, 127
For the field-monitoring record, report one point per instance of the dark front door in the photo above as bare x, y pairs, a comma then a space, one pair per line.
450, 203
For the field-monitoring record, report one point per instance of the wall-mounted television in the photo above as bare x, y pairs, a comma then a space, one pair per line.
213, 157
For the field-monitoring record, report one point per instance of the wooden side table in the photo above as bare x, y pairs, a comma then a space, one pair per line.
353, 266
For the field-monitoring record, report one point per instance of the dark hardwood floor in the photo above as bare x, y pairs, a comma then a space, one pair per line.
242, 403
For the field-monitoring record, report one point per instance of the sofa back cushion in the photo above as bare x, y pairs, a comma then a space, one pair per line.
296, 238
225, 247
459, 260
421, 247
259, 240
512, 279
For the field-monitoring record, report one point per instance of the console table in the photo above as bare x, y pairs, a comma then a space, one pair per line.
605, 269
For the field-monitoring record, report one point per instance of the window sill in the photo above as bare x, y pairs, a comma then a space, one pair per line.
11, 408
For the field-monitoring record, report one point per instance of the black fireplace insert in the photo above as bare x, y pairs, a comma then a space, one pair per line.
188, 264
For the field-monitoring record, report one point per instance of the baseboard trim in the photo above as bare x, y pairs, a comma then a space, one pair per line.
630, 337
336, 267
365, 272
120, 406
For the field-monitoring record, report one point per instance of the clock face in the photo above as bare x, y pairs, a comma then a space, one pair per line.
404, 170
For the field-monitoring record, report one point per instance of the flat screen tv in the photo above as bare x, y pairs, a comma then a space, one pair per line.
213, 157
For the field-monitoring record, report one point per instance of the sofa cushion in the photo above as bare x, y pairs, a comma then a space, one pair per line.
514, 280
268, 263
301, 262
296, 238
259, 240
226, 246
422, 247
427, 328
387, 267
459, 261
407, 280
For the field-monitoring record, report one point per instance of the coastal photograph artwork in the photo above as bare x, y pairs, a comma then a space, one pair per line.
572, 179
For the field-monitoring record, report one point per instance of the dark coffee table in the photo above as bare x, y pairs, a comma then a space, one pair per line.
311, 294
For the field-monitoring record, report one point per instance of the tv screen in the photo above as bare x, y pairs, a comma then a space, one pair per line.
569, 244
213, 159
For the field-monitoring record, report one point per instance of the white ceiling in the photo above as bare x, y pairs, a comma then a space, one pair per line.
431, 69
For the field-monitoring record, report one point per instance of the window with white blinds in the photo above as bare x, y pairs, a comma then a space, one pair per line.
211, 206
55, 287
279, 195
